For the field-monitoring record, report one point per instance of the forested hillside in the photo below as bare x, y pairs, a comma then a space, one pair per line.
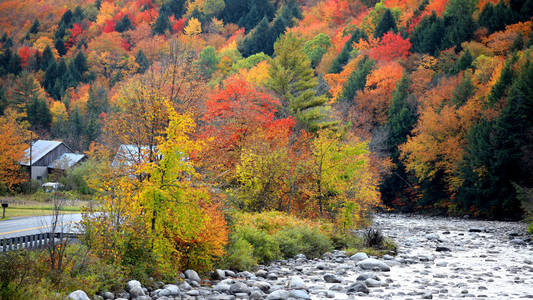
424, 105
231, 133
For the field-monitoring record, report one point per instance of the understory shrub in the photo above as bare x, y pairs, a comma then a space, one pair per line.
241, 256
272, 236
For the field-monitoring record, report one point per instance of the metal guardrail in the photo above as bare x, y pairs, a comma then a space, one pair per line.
33, 241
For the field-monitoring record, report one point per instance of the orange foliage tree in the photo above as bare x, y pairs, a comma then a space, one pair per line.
12, 145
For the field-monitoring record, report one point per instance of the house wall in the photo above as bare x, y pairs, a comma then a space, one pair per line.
51, 156
39, 173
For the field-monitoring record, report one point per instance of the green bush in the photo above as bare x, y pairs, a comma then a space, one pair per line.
240, 256
265, 247
307, 240
15, 268
530, 228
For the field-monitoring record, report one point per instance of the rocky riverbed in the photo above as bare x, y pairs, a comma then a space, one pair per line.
438, 258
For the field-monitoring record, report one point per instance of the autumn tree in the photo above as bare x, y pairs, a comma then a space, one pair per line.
292, 80
12, 145
234, 112
344, 186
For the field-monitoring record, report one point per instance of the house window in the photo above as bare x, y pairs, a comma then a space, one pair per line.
39, 177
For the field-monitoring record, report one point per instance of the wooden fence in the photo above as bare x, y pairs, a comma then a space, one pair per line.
33, 241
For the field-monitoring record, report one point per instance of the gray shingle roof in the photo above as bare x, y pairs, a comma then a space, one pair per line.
66, 160
39, 149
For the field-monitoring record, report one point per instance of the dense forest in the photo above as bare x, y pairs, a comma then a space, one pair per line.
317, 109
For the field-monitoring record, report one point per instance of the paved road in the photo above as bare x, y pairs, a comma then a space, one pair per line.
33, 225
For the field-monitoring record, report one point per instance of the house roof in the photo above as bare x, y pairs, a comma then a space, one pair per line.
38, 150
66, 160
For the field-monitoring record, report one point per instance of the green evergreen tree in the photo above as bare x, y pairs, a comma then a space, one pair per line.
507, 75
60, 47
464, 90
34, 27
161, 25
293, 80
38, 114
14, 66
357, 79
47, 58
50, 77
427, 37
494, 155
124, 24
459, 22
3, 100
234, 10
385, 24
142, 60
342, 58
464, 62
402, 118
77, 15
256, 40
257, 9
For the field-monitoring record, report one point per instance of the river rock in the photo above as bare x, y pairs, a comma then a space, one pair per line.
262, 285
371, 264
219, 274
442, 249
278, 295
78, 295
332, 278
370, 282
299, 294
172, 289
132, 283
358, 287
359, 256
221, 287
192, 275
239, 287
364, 276
137, 291
297, 283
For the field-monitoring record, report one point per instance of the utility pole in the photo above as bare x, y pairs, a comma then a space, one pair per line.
31, 145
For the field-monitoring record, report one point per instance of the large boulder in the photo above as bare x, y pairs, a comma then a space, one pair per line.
296, 283
192, 275
219, 274
359, 256
332, 278
373, 264
78, 295
358, 287
239, 287
278, 295
132, 283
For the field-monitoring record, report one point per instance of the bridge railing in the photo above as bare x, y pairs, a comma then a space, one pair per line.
33, 241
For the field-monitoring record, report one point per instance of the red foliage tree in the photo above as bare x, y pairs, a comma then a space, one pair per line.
178, 26
24, 53
234, 113
109, 26
392, 46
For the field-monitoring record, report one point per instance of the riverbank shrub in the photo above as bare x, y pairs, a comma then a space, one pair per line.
272, 236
